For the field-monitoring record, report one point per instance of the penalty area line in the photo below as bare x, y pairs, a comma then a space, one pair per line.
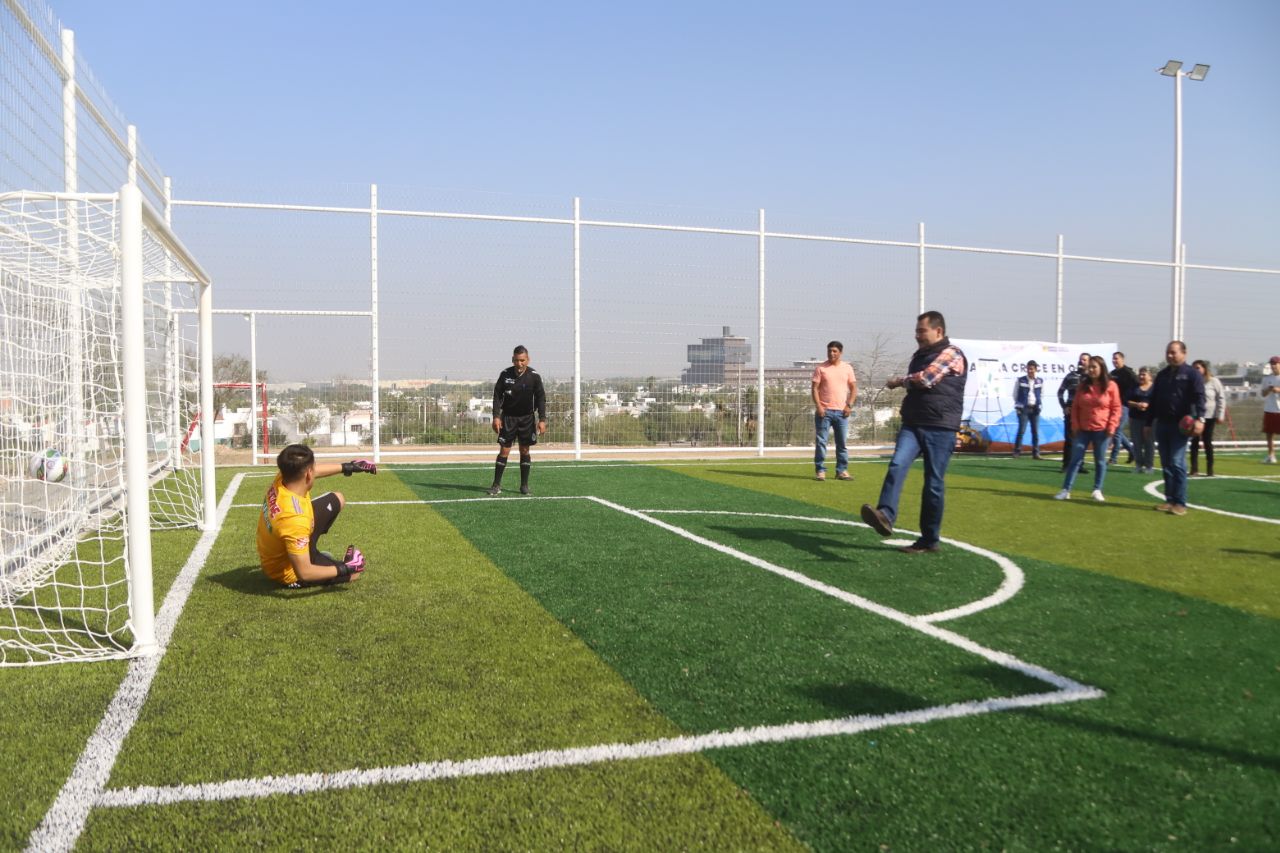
305, 783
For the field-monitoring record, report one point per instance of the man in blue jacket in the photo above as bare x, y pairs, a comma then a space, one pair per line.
1178, 391
1028, 397
931, 415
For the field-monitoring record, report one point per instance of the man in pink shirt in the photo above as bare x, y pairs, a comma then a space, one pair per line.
834, 390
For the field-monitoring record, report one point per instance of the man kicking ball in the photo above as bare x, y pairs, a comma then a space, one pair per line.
291, 522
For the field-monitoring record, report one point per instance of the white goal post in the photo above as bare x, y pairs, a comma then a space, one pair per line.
106, 358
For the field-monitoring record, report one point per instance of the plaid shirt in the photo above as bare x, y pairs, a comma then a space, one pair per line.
949, 362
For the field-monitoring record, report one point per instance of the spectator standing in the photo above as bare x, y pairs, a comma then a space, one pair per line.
1028, 396
1215, 408
1067, 393
1144, 448
1271, 407
1125, 380
1178, 391
835, 387
931, 415
1095, 415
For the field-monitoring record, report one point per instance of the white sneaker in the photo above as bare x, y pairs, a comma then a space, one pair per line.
1098, 496
1270, 460
1062, 495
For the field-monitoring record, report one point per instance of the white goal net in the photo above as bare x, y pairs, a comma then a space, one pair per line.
69, 577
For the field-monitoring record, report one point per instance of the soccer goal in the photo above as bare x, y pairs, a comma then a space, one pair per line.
105, 359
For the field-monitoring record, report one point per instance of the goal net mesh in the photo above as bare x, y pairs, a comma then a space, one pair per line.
64, 570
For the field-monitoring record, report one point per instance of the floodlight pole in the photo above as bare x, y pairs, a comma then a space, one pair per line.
1173, 68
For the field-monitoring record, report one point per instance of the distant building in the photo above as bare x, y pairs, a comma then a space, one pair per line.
717, 361
799, 373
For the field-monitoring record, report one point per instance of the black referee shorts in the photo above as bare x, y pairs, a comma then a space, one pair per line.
519, 428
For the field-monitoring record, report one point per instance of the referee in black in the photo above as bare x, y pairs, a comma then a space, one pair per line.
517, 395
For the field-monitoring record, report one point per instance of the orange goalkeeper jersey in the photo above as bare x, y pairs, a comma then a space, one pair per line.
284, 528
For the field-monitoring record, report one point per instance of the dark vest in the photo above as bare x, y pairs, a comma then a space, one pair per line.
941, 406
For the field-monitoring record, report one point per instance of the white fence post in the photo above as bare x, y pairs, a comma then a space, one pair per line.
921, 273
376, 415
760, 358
1057, 317
577, 328
253, 386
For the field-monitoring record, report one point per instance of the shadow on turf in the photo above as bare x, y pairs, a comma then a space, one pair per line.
1249, 552
251, 581
822, 546
1237, 756
862, 697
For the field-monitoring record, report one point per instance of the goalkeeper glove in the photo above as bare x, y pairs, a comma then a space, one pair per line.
358, 465
352, 563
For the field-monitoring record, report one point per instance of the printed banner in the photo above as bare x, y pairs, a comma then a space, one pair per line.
990, 421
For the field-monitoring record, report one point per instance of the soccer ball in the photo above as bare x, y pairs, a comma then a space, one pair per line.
1187, 426
48, 465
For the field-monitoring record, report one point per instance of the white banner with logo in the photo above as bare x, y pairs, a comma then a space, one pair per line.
994, 367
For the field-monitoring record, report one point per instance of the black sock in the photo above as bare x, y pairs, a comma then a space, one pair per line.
524, 471
498, 468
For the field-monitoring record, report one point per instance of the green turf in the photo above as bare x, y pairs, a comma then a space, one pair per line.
433, 655
506, 625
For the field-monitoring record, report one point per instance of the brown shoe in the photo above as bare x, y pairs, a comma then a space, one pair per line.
917, 548
1163, 507
820, 476
876, 521
1177, 509
843, 475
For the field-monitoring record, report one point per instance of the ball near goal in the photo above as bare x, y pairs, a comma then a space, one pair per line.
48, 465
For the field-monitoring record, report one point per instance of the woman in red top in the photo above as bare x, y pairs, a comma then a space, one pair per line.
1095, 416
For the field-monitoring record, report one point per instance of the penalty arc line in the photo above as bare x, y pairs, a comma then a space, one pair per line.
65, 820
1012, 584
1153, 489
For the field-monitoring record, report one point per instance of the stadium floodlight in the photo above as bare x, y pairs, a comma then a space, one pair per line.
1173, 68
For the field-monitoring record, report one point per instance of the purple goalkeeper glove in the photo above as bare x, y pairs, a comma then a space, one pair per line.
352, 563
358, 465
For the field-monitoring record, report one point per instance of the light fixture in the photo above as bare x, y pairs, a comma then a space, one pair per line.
1171, 68
1198, 72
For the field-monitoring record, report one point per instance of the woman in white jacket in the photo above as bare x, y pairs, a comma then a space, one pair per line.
1215, 408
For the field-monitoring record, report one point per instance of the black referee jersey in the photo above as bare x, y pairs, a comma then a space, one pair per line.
517, 394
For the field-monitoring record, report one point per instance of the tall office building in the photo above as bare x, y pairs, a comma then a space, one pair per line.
717, 361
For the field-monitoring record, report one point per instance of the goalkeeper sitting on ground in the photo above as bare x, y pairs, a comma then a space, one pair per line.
292, 521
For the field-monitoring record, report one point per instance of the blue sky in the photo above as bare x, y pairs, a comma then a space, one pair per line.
996, 123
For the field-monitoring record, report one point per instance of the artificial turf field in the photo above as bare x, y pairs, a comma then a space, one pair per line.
711, 655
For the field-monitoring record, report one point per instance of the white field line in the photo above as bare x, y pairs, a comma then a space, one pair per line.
1009, 587
304, 783
1153, 488
914, 622
65, 820
93, 795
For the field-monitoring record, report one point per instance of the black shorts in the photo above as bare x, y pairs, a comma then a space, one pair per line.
519, 428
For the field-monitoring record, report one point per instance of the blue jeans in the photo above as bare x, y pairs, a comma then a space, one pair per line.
1082, 439
836, 421
1121, 440
937, 445
1172, 445
1143, 447
1025, 415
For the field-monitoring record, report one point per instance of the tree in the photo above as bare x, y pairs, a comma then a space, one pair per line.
874, 365
228, 367
306, 412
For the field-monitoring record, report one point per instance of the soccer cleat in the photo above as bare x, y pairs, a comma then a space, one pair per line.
494, 491
1062, 495
876, 520
524, 490
1098, 496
